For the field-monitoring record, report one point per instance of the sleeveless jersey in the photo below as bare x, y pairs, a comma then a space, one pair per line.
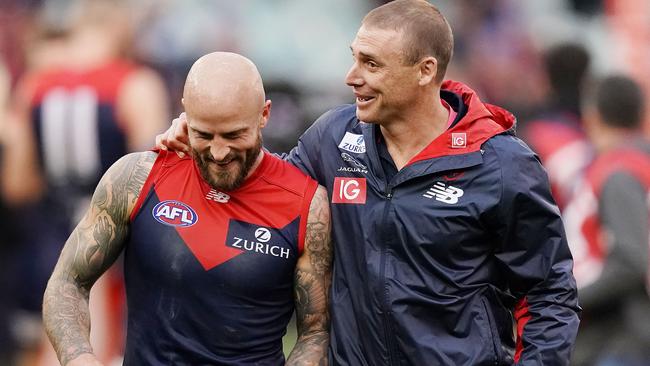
209, 274
79, 134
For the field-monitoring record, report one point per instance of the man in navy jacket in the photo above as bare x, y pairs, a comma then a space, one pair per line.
449, 248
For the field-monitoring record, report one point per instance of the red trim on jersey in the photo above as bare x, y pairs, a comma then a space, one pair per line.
310, 190
522, 316
628, 160
153, 174
105, 80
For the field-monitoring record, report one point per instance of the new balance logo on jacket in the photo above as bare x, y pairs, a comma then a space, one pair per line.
442, 193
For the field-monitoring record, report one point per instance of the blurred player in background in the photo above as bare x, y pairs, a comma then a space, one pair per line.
557, 136
7, 346
607, 226
81, 107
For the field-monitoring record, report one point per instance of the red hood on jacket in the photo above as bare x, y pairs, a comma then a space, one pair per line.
481, 122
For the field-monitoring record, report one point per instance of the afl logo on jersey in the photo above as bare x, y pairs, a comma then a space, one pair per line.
174, 213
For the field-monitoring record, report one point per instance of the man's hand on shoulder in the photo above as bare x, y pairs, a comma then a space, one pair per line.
176, 137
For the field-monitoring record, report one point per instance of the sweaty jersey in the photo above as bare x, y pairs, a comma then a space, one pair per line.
209, 274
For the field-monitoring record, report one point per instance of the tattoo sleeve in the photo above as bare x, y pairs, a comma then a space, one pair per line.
91, 248
311, 287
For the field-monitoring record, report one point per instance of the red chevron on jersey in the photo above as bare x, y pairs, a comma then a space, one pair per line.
214, 267
273, 197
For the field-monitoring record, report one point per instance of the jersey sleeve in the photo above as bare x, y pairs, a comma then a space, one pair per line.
533, 251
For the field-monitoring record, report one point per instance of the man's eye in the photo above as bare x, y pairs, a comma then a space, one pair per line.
233, 136
372, 64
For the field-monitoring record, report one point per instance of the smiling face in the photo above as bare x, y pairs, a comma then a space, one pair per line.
226, 149
226, 111
383, 82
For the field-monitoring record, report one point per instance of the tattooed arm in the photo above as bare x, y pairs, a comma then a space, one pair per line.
91, 248
311, 287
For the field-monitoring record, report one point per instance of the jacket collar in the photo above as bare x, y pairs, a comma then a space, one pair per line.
480, 122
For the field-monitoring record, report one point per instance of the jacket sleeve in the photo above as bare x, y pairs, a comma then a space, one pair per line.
535, 257
307, 154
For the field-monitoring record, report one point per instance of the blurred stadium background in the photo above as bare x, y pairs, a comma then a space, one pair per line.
301, 49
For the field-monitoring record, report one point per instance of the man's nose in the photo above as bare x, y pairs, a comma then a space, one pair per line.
219, 151
353, 77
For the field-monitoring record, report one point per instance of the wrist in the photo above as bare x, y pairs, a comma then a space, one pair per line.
87, 359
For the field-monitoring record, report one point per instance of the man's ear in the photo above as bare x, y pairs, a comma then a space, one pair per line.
266, 113
428, 70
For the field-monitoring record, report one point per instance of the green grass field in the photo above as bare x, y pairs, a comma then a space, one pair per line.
289, 339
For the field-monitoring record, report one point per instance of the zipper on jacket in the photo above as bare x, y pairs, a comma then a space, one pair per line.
386, 301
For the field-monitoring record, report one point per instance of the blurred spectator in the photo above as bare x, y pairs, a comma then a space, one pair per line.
494, 56
288, 119
607, 227
628, 22
295, 43
556, 135
81, 106
6, 302
15, 16
586, 7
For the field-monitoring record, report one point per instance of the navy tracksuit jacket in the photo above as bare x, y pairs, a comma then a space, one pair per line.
460, 258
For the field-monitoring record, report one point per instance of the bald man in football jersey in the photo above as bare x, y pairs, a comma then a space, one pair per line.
219, 246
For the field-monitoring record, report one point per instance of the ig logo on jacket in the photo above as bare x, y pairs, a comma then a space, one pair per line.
349, 190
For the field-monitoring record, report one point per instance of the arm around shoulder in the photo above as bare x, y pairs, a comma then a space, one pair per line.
92, 247
311, 286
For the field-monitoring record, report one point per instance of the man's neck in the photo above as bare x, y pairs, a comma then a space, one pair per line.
256, 164
613, 137
406, 137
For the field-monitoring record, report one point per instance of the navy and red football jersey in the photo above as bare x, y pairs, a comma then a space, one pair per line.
209, 274
78, 129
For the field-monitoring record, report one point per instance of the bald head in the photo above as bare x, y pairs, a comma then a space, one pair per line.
223, 84
226, 111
